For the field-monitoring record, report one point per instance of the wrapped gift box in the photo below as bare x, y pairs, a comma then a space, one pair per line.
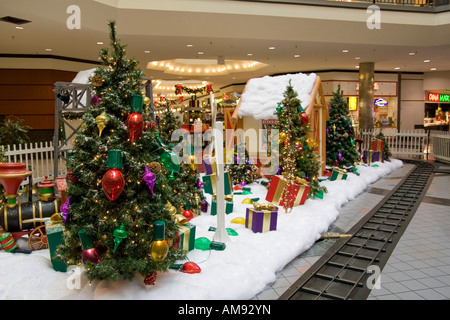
187, 236
338, 174
228, 205
209, 183
209, 165
55, 238
297, 192
370, 156
261, 220
376, 144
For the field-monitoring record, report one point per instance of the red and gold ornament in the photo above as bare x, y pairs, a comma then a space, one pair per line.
113, 181
135, 122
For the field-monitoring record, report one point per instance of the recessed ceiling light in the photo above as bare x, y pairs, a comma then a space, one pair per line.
345, 50
147, 51
48, 49
200, 52
189, 45
412, 53
20, 28
357, 67
397, 68
272, 48
426, 60
357, 58
296, 55
99, 42
433, 69
249, 54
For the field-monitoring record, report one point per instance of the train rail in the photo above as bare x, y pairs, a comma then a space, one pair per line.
347, 270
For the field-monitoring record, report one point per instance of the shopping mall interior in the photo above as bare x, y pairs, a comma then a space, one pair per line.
197, 59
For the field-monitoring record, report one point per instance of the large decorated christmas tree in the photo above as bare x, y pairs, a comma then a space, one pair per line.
341, 150
296, 149
122, 204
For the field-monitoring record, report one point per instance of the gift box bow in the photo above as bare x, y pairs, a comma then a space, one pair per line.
266, 206
227, 197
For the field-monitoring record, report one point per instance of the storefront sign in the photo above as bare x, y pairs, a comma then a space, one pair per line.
438, 97
352, 103
380, 102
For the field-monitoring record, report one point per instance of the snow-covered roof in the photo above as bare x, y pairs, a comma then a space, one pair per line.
261, 96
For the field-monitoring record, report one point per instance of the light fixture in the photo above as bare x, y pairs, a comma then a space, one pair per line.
19, 28
357, 58
296, 56
433, 69
48, 49
249, 54
147, 51
412, 53
204, 66
200, 52
397, 68
189, 45
272, 48
99, 42
426, 60
345, 50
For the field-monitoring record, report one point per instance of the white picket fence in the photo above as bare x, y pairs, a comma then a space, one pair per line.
418, 144
38, 158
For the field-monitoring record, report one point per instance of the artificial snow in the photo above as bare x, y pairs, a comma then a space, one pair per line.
248, 264
262, 95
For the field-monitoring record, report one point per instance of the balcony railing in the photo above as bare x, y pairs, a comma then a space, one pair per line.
408, 5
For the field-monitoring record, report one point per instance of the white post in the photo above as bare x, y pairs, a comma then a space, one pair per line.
221, 234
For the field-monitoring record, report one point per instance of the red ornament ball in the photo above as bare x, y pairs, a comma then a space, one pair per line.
188, 214
190, 267
304, 117
113, 183
135, 125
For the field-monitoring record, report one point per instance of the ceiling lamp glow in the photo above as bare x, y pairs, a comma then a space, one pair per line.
204, 66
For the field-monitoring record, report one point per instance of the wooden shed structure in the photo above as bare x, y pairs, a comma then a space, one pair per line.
252, 114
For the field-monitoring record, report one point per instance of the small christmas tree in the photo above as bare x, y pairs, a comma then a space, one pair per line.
241, 170
168, 123
387, 151
120, 192
296, 148
341, 150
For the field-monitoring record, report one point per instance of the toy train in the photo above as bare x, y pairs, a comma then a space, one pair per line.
27, 218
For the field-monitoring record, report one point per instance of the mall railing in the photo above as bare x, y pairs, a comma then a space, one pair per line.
408, 5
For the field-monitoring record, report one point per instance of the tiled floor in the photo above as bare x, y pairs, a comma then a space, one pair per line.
419, 266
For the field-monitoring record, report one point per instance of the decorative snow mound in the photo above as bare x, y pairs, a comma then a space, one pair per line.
248, 264
262, 95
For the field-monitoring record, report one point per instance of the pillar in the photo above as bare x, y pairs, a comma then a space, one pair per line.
366, 85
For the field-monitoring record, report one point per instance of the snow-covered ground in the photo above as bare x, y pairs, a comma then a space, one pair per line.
248, 264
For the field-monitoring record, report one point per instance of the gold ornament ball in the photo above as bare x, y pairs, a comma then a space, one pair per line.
97, 80
282, 137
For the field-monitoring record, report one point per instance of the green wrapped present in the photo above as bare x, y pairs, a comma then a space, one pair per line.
187, 236
209, 183
54, 229
228, 205
338, 174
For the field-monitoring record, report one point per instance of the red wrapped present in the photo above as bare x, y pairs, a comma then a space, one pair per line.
376, 144
279, 186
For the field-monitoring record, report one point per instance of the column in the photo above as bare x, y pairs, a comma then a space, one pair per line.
366, 84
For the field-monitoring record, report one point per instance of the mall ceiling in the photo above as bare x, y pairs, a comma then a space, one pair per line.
282, 38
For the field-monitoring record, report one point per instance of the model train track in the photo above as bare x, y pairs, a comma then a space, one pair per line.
347, 270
